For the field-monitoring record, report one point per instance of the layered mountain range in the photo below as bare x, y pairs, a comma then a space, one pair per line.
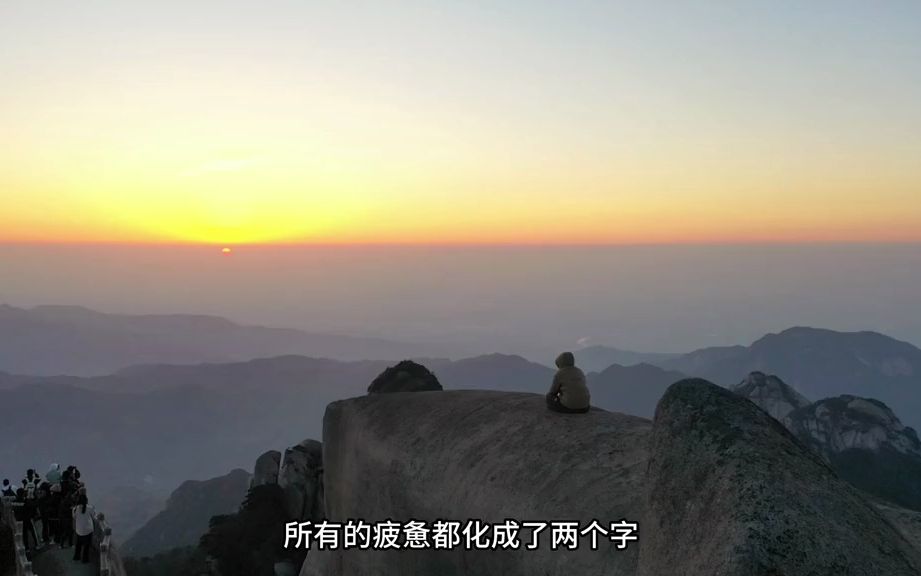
821, 363
230, 411
77, 341
187, 513
146, 428
156, 426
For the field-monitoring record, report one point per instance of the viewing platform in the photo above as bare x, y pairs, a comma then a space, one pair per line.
104, 559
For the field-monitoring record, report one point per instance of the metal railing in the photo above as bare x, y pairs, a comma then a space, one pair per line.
23, 565
110, 563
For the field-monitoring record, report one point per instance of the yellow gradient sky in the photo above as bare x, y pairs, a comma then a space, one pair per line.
520, 122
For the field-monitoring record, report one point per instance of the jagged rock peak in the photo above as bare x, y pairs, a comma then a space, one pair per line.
772, 394
834, 425
406, 376
301, 479
266, 469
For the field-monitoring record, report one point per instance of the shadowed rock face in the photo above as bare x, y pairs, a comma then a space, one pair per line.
266, 469
732, 492
407, 376
866, 444
907, 521
718, 486
301, 480
834, 425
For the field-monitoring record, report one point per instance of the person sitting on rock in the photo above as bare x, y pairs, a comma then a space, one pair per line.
568, 394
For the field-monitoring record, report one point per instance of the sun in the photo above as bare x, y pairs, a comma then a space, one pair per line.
226, 251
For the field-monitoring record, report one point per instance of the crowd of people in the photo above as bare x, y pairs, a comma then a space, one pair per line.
54, 510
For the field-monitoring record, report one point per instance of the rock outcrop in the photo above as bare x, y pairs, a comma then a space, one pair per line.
821, 363
718, 487
907, 521
861, 438
835, 425
866, 444
301, 478
266, 469
771, 393
732, 492
406, 376
477, 454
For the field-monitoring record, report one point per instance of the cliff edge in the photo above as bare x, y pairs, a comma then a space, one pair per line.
717, 486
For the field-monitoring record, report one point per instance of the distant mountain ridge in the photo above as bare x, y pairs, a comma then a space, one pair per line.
820, 363
631, 389
163, 424
77, 341
221, 416
597, 358
187, 512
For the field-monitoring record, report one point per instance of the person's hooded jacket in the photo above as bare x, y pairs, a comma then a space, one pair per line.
569, 383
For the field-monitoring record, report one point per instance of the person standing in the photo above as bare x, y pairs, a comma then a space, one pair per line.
83, 528
47, 509
54, 514
65, 521
24, 510
30, 484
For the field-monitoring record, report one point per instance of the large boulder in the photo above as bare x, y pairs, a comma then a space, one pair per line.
461, 455
908, 522
266, 470
301, 478
406, 376
718, 487
732, 492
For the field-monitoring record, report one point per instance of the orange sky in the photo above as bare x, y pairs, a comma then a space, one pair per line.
308, 125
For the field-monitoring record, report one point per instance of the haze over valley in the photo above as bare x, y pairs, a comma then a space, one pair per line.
461, 301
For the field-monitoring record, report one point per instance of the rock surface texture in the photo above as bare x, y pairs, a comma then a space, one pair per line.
301, 478
719, 488
266, 469
732, 492
843, 423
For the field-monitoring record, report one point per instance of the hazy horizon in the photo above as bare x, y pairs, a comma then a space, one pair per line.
492, 298
531, 175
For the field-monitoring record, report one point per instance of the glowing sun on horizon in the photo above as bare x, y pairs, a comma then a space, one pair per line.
226, 251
